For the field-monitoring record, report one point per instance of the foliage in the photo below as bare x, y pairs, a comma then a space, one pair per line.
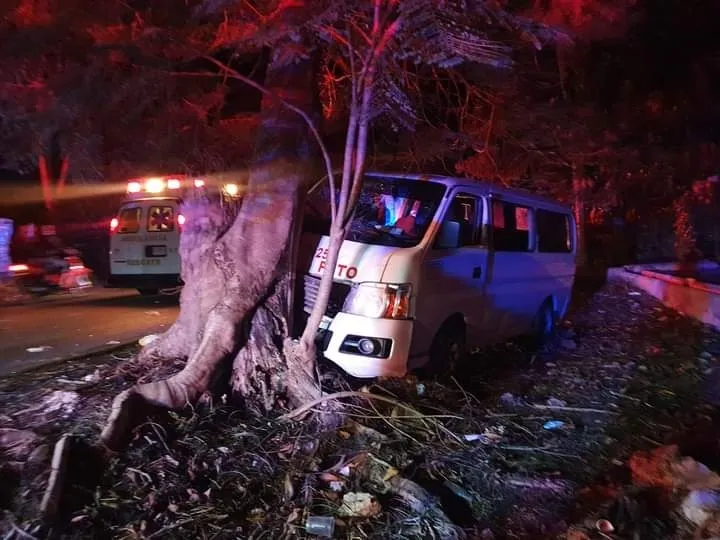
87, 86
685, 237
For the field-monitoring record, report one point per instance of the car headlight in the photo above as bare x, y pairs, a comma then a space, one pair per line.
379, 300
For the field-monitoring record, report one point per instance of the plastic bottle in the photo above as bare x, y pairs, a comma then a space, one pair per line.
320, 526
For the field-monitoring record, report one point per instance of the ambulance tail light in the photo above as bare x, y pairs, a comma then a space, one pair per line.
114, 224
180, 221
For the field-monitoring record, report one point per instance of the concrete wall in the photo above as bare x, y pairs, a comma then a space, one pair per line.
685, 295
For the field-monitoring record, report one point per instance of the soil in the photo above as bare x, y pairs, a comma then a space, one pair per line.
516, 445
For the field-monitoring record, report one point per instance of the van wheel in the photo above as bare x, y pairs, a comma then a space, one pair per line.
148, 292
448, 351
544, 326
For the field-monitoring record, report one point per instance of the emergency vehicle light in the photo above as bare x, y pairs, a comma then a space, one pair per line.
114, 224
181, 220
173, 183
154, 185
231, 189
134, 187
199, 182
18, 268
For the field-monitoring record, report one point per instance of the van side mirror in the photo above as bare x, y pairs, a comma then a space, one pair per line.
448, 236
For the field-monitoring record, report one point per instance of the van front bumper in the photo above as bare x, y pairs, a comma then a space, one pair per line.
392, 339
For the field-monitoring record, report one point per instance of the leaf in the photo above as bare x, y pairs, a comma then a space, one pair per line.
391, 471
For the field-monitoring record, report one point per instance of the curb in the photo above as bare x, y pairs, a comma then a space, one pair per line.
688, 297
97, 351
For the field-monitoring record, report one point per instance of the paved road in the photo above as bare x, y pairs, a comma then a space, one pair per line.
70, 325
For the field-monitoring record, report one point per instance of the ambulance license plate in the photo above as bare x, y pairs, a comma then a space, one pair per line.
156, 251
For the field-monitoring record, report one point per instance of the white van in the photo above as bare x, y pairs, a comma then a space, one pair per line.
435, 265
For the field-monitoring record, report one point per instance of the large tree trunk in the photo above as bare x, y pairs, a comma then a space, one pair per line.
238, 272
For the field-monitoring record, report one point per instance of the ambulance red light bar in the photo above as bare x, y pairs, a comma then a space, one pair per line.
159, 184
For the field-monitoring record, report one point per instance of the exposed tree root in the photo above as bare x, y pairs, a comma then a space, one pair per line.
257, 241
183, 388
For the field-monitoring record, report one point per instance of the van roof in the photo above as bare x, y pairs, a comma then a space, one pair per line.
455, 181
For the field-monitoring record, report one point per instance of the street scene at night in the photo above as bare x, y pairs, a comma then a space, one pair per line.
352, 269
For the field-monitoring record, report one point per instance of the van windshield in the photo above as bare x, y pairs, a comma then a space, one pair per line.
390, 212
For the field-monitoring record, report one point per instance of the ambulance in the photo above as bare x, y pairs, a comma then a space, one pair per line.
145, 233
433, 267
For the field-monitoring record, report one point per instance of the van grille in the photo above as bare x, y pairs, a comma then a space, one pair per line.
338, 293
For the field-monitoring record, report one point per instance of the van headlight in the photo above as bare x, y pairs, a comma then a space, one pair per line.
379, 300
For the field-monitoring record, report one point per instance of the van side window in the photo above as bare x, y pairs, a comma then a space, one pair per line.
511, 226
553, 231
129, 220
460, 224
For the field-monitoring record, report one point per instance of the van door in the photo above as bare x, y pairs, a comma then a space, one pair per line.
162, 240
518, 282
454, 274
125, 243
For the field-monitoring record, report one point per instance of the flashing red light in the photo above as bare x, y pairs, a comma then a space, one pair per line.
181, 220
199, 182
134, 187
114, 224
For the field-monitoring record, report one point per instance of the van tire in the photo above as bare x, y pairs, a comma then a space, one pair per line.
448, 350
148, 291
544, 326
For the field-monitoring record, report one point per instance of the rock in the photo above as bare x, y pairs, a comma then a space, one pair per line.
16, 444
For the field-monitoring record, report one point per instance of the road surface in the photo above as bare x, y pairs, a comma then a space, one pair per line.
59, 326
